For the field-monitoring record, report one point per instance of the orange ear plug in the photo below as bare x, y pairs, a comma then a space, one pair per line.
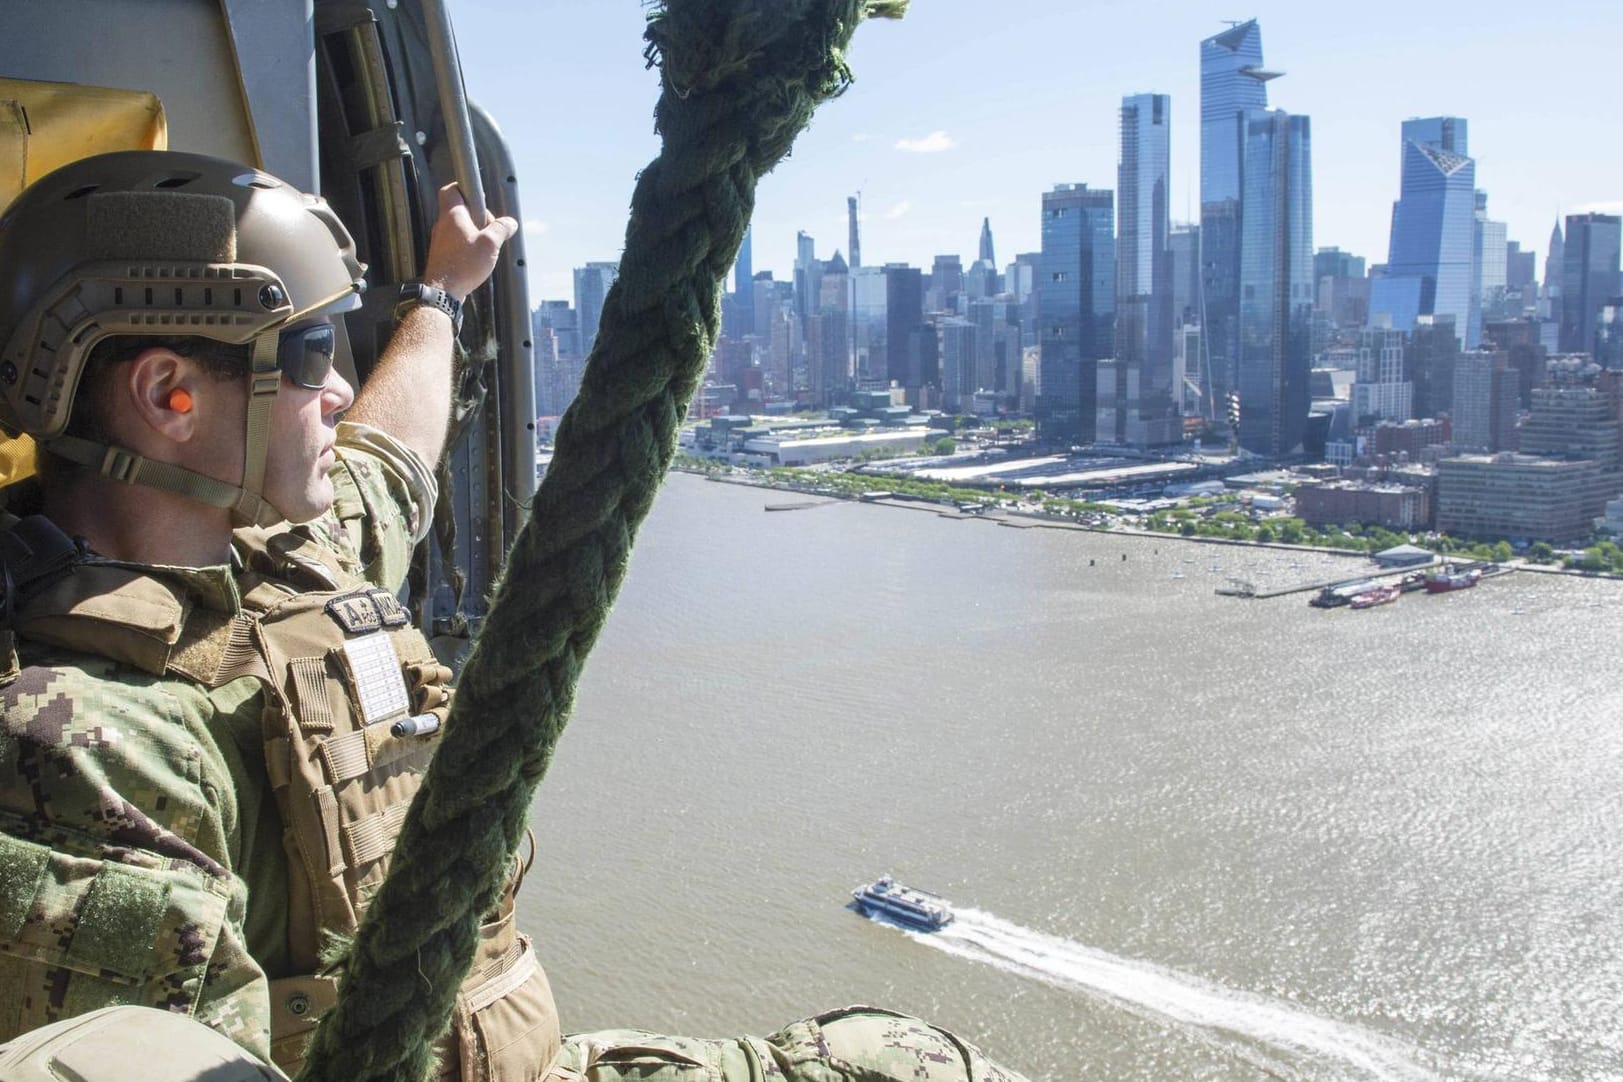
180, 400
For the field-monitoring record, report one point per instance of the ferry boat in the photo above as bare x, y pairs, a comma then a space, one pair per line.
1446, 581
1380, 595
905, 905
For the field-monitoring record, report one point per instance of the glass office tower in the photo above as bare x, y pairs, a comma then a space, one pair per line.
1232, 83
1431, 262
1589, 276
1076, 308
1276, 283
1147, 413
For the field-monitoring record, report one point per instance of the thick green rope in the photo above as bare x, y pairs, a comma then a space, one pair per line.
740, 80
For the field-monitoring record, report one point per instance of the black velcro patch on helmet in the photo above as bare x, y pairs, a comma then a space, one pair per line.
162, 226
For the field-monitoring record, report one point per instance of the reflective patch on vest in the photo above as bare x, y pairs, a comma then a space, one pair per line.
375, 674
368, 610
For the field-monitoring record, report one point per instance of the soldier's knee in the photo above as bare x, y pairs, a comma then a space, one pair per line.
856, 1044
868, 1042
611, 1055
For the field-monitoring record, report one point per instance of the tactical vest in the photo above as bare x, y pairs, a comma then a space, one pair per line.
355, 702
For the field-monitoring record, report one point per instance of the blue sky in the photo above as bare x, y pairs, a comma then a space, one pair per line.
968, 108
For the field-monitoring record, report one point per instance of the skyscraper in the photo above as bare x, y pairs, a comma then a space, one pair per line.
1434, 347
1485, 402
1076, 307
592, 284
1431, 262
1554, 266
828, 336
1341, 288
1232, 83
956, 345
1589, 276
868, 304
738, 307
904, 319
1276, 283
1491, 247
743, 265
986, 242
1184, 245
854, 238
808, 276
1144, 273
946, 282
1020, 279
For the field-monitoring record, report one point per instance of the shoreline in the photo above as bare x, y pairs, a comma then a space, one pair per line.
1036, 520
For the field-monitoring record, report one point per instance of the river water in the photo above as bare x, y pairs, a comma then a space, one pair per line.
1188, 836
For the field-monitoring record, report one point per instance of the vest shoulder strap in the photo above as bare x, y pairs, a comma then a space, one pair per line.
115, 612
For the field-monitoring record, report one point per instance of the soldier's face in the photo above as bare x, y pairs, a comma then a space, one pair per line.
302, 434
303, 429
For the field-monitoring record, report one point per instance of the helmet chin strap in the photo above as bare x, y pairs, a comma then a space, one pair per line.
264, 383
245, 501
119, 464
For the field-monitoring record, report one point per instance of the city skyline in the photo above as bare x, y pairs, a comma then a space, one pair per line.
956, 116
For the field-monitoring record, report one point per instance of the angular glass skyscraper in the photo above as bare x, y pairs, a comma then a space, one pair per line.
1076, 308
1431, 262
1276, 283
1232, 83
1145, 405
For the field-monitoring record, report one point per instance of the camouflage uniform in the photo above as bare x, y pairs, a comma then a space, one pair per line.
141, 852
857, 1044
142, 858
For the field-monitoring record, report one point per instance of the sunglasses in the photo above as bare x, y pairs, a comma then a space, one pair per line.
305, 355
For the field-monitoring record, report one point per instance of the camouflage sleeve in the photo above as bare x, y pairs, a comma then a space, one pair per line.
383, 504
856, 1044
116, 824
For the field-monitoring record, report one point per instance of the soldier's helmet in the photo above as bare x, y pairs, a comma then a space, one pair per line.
154, 243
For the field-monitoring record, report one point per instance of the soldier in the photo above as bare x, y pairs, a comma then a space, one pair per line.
215, 710
214, 718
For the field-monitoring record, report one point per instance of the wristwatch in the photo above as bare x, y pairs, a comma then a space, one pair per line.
415, 293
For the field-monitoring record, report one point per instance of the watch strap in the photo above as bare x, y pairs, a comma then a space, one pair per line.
415, 293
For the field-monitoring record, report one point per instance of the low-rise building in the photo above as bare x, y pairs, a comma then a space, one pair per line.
1342, 503
1405, 556
787, 449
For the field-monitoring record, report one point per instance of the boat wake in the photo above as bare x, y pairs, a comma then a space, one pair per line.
1279, 1037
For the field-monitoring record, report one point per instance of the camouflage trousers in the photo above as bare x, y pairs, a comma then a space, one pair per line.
856, 1044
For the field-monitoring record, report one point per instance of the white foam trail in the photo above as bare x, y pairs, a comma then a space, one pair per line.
1286, 1033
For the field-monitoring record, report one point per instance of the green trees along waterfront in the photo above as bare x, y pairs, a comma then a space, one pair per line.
1210, 517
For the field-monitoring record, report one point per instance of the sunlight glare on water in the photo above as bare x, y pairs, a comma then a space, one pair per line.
1222, 839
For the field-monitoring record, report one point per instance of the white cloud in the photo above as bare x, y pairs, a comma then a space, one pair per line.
862, 137
934, 143
898, 210
534, 227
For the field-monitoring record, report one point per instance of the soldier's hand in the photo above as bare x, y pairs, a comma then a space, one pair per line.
460, 256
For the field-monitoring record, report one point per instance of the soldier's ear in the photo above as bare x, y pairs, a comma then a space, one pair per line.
160, 392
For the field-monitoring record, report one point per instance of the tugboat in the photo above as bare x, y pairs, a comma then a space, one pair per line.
906, 905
